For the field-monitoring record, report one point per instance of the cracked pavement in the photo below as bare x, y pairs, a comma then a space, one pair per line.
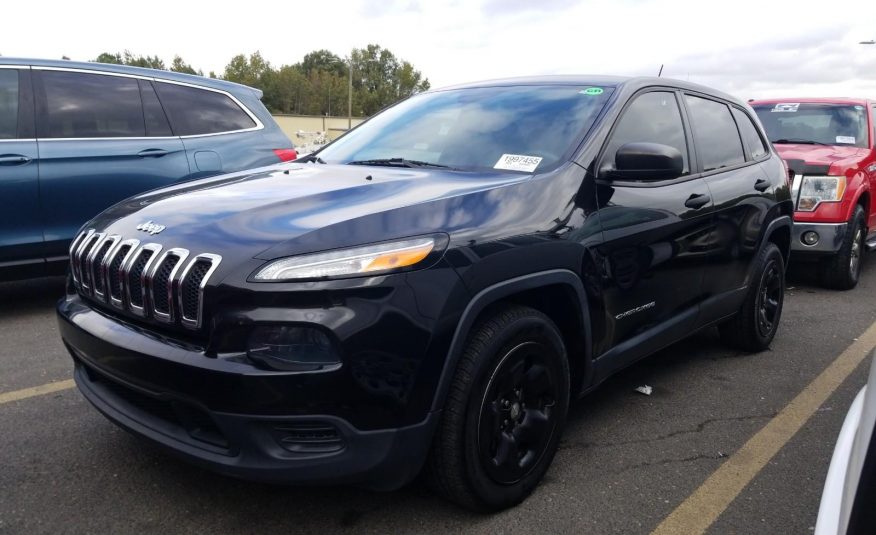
626, 460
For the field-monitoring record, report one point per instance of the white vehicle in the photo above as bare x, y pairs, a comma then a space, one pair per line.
848, 502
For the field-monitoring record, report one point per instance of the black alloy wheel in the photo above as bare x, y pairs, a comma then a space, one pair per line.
517, 413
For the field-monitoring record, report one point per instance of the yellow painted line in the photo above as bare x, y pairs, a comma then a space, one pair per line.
33, 391
702, 508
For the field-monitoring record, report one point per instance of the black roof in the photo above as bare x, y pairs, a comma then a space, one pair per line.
632, 83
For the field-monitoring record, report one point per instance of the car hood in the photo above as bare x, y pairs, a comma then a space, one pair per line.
253, 212
836, 158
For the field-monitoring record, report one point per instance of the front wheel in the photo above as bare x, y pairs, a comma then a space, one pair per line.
842, 270
505, 412
755, 326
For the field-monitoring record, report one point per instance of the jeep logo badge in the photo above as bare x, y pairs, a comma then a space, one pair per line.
150, 227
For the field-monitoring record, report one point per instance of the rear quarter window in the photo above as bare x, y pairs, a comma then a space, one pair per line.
753, 142
193, 111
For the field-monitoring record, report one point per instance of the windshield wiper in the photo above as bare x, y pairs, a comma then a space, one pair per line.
798, 142
311, 158
399, 162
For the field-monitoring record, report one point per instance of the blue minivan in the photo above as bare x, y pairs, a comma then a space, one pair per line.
76, 138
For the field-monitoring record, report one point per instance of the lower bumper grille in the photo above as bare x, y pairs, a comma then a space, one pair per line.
182, 416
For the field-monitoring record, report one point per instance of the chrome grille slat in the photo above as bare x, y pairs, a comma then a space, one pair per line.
138, 270
116, 271
98, 268
161, 281
142, 278
191, 287
86, 257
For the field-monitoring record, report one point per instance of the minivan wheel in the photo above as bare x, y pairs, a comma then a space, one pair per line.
842, 270
755, 326
504, 414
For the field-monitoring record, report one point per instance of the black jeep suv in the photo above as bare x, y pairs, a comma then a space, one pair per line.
429, 291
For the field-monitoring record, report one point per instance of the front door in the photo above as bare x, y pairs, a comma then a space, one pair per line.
654, 232
102, 138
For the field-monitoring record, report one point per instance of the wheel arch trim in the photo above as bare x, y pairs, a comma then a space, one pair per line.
495, 293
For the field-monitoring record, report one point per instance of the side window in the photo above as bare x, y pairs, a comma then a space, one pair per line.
194, 111
655, 118
156, 120
752, 139
82, 105
8, 103
717, 139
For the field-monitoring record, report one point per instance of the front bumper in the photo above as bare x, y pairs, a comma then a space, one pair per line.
125, 374
830, 237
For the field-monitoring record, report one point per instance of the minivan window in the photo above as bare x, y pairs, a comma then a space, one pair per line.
652, 118
194, 111
84, 105
814, 123
523, 128
756, 148
8, 103
717, 139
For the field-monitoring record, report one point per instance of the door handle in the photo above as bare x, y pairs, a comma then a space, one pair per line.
13, 159
762, 185
152, 153
697, 200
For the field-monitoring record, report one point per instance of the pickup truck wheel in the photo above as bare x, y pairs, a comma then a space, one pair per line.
842, 270
755, 326
504, 414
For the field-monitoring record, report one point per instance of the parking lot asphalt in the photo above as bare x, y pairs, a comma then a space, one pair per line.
627, 460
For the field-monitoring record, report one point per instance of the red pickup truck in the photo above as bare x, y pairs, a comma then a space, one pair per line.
828, 145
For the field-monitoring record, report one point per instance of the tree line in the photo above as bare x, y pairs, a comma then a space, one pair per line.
317, 85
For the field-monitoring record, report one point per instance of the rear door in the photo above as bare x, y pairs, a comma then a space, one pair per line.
654, 231
102, 138
742, 192
219, 133
21, 236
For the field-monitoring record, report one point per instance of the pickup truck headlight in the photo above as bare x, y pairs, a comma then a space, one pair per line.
367, 260
818, 189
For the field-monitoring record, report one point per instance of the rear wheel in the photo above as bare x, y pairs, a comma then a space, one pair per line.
755, 326
504, 414
842, 270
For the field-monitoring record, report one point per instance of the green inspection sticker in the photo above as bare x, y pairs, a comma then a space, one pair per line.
592, 91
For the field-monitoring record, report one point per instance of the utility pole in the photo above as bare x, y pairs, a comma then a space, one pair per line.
350, 96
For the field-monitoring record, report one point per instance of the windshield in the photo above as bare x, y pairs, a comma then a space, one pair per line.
815, 123
520, 128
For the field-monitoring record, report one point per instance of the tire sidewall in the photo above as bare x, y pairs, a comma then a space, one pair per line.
771, 255
524, 329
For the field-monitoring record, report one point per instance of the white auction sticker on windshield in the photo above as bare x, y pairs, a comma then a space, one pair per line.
786, 106
518, 162
846, 139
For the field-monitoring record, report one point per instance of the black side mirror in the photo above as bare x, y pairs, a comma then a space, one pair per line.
647, 161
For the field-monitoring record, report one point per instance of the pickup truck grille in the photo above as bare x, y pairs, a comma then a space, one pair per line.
142, 278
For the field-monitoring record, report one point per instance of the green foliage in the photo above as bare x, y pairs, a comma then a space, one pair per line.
179, 65
318, 85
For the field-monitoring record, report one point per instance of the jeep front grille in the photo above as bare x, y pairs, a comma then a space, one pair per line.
142, 278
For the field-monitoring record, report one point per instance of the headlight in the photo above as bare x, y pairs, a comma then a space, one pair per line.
292, 348
370, 259
818, 189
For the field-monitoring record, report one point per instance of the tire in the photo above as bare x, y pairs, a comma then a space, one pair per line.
842, 270
755, 326
490, 450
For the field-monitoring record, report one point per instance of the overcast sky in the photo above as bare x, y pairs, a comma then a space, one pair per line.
745, 47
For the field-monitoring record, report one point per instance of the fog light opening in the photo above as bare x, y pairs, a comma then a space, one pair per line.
292, 348
810, 238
